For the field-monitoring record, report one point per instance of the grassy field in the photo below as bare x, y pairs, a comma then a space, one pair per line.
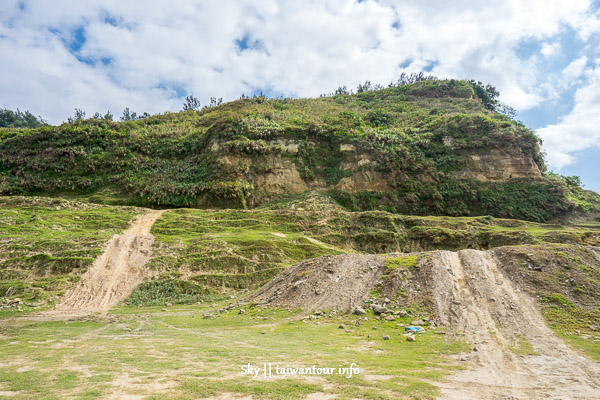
152, 354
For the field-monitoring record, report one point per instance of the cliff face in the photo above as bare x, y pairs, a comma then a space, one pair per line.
278, 173
426, 148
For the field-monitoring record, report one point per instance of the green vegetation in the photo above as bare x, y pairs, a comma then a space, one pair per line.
523, 347
568, 286
139, 352
393, 263
19, 119
421, 137
45, 244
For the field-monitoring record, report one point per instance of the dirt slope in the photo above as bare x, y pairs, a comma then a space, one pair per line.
473, 297
330, 282
117, 271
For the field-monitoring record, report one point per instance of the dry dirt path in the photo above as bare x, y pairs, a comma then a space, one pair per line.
473, 297
118, 271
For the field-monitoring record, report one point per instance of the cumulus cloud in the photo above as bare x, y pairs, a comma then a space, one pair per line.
550, 49
112, 54
579, 129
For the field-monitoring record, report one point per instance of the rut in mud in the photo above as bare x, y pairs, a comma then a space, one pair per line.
473, 297
118, 271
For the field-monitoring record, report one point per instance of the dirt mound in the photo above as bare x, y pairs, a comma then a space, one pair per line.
117, 271
331, 282
515, 355
473, 297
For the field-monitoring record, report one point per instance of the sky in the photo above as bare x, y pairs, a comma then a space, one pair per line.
542, 55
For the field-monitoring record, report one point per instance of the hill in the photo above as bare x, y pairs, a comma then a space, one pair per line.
428, 148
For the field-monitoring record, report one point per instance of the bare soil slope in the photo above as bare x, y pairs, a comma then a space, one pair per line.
515, 355
117, 271
330, 282
474, 298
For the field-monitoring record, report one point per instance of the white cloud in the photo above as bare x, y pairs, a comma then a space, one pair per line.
160, 49
579, 129
575, 69
550, 49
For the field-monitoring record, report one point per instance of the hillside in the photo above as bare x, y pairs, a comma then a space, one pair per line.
428, 148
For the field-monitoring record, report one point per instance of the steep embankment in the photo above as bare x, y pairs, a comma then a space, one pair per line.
429, 148
117, 272
515, 354
473, 297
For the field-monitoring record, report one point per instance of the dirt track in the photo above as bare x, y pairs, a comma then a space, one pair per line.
473, 297
115, 274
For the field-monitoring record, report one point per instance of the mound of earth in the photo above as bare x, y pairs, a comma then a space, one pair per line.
331, 282
344, 282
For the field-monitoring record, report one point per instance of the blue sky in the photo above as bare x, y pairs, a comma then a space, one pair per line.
543, 56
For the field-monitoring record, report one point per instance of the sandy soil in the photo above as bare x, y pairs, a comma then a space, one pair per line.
116, 272
475, 299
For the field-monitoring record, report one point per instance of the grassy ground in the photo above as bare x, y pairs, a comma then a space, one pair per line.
179, 355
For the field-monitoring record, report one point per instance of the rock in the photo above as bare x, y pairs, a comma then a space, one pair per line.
164, 309
378, 309
242, 311
390, 318
410, 338
386, 337
359, 311
168, 304
207, 316
386, 300
368, 336
401, 313
374, 328
341, 327
263, 332
475, 348
16, 301
417, 322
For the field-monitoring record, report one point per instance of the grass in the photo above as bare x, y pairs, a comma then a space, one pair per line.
180, 355
523, 347
573, 323
45, 244
393, 263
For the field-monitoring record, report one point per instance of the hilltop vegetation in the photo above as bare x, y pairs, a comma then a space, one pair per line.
428, 148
